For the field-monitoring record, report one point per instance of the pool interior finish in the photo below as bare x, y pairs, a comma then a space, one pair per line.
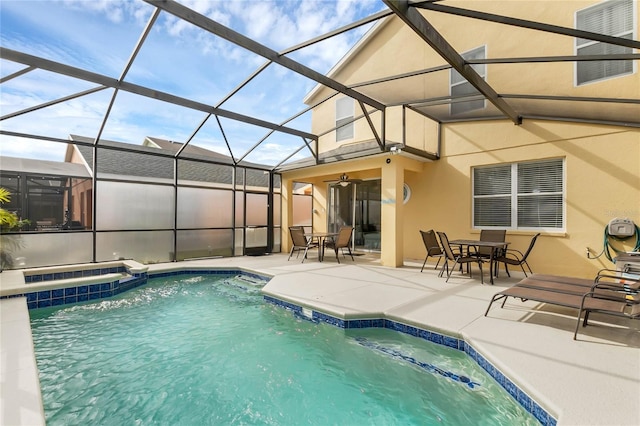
209, 344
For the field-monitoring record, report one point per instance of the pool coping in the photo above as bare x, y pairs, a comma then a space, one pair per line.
93, 286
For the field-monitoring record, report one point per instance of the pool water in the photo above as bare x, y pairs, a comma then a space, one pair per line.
199, 350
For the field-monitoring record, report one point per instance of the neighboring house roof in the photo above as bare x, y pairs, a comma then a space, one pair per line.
156, 162
197, 153
120, 161
190, 150
44, 167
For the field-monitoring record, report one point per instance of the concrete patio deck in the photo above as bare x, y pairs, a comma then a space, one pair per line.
592, 381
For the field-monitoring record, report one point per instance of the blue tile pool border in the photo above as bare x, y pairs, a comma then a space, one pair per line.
81, 293
91, 272
512, 389
89, 292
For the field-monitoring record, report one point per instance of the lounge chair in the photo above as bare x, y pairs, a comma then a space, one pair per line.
584, 282
432, 246
606, 278
343, 241
456, 258
589, 304
614, 296
300, 242
609, 291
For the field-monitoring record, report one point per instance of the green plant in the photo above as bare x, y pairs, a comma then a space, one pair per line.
6, 218
9, 221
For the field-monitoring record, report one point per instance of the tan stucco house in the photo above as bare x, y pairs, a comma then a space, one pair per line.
547, 154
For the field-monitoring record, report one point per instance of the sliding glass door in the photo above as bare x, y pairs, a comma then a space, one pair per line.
357, 205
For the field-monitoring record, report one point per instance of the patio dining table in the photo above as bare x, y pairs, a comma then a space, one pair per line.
493, 246
320, 237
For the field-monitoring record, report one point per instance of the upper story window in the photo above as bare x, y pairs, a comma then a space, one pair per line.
527, 196
613, 18
461, 87
344, 119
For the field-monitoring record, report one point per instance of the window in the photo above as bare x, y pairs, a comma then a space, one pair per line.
519, 196
461, 87
344, 119
302, 205
613, 18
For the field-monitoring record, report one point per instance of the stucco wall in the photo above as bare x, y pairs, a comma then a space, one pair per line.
602, 166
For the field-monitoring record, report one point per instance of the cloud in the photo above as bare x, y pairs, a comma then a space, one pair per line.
116, 11
29, 148
75, 32
299, 22
260, 20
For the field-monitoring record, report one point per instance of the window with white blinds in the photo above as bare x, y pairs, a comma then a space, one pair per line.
519, 196
461, 87
344, 119
614, 18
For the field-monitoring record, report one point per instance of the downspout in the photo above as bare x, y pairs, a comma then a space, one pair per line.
404, 125
438, 150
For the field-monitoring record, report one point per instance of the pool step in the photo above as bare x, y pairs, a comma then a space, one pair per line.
426, 366
251, 280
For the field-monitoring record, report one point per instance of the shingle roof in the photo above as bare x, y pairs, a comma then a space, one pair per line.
116, 158
120, 161
190, 150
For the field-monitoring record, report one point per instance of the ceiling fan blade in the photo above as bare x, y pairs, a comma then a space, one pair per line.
344, 178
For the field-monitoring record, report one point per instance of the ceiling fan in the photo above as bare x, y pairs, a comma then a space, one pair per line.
343, 180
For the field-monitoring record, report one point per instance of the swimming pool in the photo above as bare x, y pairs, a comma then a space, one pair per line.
208, 350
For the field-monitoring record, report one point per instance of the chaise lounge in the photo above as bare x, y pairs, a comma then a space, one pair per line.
609, 293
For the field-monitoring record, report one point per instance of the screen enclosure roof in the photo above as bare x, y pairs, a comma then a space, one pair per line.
231, 78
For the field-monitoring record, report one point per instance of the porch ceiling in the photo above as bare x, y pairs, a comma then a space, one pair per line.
505, 90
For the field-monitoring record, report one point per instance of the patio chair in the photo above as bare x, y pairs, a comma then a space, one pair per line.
494, 236
491, 235
517, 258
433, 248
457, 258
300, 242
343, 241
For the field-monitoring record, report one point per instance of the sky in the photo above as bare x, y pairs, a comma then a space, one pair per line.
177, 58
